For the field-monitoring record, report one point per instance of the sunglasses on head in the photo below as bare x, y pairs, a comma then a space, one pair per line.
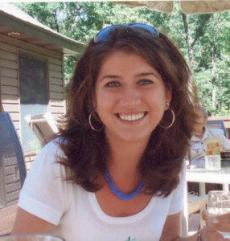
104, 33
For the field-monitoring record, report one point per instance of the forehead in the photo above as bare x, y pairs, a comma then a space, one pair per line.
125, 60
200, 117
123, 53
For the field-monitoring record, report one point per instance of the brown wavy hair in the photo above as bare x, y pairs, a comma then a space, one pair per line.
87, 151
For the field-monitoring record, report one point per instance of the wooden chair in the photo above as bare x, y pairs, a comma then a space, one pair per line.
44, 126
12, 172
217, 124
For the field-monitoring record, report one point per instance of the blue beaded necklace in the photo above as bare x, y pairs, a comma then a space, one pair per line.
118, 193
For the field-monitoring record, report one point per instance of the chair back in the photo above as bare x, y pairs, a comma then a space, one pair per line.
217, 124
44, 126
12, 171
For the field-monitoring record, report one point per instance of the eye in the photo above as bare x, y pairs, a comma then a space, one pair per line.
113, 84
144, 82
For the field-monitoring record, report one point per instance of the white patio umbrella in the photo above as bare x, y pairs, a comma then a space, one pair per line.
188, 7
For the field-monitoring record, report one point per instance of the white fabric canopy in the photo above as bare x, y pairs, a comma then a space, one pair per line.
188, 7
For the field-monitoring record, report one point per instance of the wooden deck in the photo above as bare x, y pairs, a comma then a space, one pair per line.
7, 217
10, 196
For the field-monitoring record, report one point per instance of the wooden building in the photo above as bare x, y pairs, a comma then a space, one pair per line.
31, 69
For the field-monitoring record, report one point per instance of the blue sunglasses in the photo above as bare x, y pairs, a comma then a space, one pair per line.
104, 33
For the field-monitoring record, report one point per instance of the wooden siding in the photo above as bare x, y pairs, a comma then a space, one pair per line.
9, 77
29, 158
11, 43
56, 87
9, 82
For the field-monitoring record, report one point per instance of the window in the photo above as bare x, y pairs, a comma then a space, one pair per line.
33, 80
34, 96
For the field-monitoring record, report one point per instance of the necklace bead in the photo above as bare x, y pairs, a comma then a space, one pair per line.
118, 193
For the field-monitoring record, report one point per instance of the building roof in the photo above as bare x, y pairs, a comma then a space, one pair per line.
16, 23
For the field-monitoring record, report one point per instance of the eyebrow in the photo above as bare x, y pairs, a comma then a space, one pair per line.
112, 76
147, 73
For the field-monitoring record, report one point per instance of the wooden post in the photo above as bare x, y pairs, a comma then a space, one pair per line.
1, 106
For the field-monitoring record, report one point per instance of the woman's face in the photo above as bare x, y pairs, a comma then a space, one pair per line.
201, 121
130, 97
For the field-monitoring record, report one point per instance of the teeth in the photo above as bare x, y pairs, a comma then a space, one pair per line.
132, 117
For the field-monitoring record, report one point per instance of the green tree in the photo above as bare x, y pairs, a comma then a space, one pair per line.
212, 64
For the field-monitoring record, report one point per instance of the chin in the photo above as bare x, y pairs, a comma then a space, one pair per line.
134, 137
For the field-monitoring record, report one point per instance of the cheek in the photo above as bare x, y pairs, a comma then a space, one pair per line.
104, 98
103, 103
97, 101
157, 99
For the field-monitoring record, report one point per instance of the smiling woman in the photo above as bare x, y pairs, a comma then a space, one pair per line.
116, 172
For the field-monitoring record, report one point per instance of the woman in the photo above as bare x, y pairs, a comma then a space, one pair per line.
116, 171
201, 135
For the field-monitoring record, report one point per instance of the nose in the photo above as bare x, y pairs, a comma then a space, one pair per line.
130, 98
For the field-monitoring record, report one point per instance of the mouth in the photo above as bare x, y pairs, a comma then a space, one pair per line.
131, 117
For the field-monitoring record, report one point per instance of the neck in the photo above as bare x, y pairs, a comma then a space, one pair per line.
125, 155
123, 163
118, 192
200, 134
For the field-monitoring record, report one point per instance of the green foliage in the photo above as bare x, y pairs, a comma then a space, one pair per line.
202, 39
44, 12
212, 64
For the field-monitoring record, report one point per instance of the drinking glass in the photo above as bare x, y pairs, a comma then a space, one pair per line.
29, 237
219, 204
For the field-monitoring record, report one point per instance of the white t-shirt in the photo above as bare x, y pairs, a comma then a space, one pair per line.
77, 213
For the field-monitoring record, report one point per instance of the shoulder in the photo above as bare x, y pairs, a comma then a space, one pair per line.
50, 156
177, 196
53, 148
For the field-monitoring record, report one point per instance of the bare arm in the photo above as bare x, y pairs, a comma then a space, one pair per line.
26, 222
171, 231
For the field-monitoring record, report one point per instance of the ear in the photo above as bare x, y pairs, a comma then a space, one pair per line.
168, 98
94, 103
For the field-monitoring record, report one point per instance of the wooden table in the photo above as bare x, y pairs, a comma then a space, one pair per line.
202, 176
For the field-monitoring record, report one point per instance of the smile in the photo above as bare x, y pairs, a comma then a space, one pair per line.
132, 117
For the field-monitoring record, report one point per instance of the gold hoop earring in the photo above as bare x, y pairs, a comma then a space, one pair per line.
91, 124
172, 122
